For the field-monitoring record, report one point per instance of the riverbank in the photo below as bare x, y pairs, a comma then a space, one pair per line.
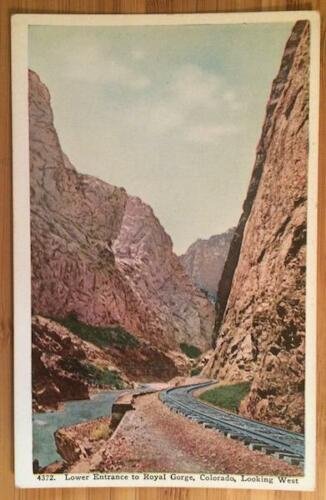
45, 424
73, 413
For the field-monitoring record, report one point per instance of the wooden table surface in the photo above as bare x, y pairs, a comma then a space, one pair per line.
7, 489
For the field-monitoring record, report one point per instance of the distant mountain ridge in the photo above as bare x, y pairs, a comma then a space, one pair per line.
204, 261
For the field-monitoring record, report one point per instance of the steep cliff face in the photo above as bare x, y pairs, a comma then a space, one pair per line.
145, 258
261, 312
204, 261
101, 254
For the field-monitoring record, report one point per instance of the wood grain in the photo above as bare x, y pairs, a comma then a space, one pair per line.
7, 489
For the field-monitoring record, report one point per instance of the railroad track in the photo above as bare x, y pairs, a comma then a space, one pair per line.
286, 445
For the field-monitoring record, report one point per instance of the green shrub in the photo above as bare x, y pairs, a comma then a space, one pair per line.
195, 371
190, 350
227, 396
102, 336
109, 377
91, 373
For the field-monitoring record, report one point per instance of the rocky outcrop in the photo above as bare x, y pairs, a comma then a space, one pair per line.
204, 262
79, 442
261, 299
65, 368
51, 382
102, 255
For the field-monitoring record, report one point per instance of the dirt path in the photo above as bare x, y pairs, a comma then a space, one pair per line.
152, 438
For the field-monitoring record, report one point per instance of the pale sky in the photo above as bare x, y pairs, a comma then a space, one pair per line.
171, 113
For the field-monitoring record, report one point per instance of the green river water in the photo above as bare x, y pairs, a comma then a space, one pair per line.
73, 412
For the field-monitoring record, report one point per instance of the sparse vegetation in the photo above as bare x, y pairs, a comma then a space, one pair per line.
228, 397
190, 350
93, 374
195, 371
101, 431
102, 336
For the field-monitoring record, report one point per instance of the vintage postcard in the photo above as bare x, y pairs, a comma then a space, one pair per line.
165, 193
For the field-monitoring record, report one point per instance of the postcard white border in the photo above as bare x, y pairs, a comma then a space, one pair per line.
22, 263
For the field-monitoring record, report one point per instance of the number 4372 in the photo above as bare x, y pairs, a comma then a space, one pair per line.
46, 477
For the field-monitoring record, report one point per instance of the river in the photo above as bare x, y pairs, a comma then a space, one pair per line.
73, 412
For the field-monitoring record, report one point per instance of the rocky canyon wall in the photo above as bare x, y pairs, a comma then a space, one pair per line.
260, 324
100, 254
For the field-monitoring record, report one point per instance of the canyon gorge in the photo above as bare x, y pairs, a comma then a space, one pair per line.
112, 303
